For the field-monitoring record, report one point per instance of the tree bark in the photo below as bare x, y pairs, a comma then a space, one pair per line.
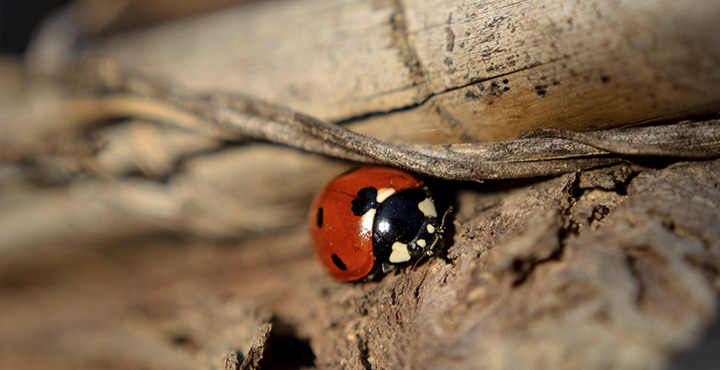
138, 231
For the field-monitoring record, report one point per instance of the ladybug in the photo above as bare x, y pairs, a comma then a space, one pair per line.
373, 218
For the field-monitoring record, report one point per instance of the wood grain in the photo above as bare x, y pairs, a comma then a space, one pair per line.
153, 217
447, 71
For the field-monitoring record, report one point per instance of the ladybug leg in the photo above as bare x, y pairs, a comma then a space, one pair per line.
426, 238
416, 248
387, 267
439, 241
437, 244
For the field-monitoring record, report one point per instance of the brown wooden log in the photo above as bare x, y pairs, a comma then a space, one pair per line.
127, 243
441, 71
610, 268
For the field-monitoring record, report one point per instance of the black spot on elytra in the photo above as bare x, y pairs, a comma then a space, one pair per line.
338, 262
540, 90
319, 217
505, 81
366, 200
604, 78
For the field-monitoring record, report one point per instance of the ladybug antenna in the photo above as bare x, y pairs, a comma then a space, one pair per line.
441, 229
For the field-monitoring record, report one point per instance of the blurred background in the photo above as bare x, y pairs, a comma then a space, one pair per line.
19, 19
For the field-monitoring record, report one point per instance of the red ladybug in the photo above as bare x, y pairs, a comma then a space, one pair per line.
372, 218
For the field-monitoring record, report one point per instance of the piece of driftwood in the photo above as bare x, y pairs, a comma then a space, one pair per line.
148, 218
441, 71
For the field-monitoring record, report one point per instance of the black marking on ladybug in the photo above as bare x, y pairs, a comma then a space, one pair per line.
365, 201
338, 262
319, 217
399, 219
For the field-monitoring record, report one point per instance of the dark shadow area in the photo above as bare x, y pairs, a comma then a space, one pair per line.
19, 21
704, 355
285, 350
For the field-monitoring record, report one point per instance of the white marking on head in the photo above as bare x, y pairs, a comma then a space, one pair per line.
367, 221
384, 193
427, 207
422, 243
430, 228
399, 253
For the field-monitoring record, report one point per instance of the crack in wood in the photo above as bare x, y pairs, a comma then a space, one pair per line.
406, 50
364, 355
411, 59
428, 96
632, 264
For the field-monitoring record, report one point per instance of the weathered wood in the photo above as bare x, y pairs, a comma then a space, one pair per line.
615, 268
442, 71
199, 193
109, 251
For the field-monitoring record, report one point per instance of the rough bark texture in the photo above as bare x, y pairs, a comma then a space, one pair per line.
127, 243
612, 268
